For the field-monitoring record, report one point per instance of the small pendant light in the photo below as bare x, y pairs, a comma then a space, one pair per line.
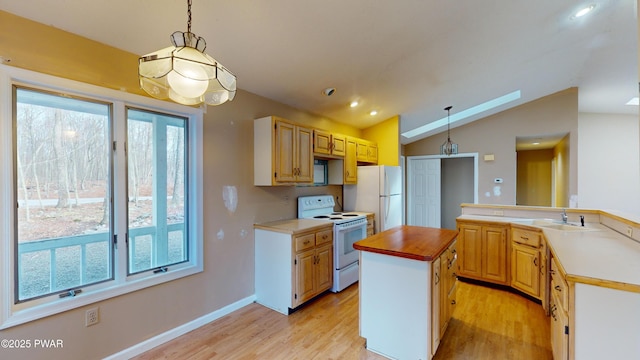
448, 148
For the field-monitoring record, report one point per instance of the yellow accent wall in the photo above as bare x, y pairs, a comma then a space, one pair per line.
561, 155
533, 180
387, 135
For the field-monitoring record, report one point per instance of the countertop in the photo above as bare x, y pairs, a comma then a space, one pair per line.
294, 226
599, 256
410, 242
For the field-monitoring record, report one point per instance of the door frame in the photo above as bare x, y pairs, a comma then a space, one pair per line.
409, 187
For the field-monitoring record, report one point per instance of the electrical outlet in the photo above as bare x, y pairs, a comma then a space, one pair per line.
498, 212
92, 316
629, 231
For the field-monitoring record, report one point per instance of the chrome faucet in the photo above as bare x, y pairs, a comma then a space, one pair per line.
564, 216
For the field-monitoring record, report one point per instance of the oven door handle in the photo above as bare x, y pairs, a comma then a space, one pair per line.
351, 226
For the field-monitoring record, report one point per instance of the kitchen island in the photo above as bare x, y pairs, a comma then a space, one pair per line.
400, 290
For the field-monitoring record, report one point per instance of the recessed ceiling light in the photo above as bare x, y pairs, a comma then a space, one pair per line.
353, 104
584, 11
329, 91
635, 101
373, 113
536, 143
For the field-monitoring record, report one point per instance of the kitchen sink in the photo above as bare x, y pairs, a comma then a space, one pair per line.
557, 225
564, 227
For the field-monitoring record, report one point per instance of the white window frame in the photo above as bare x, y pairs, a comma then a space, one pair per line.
14, 314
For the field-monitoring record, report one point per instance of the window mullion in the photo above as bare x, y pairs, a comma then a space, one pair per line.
119, 195
160, 240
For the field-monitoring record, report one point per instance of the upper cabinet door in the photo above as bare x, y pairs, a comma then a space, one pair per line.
339, 144
325, 143
321, 142
304, 155
285, 170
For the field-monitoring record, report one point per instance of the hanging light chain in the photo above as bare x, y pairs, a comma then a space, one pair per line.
189, 16
448, 108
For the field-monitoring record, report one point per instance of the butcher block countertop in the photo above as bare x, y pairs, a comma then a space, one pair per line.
294, 226
410, 242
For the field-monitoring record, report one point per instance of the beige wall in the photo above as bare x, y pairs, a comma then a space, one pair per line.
228, 237
496, 134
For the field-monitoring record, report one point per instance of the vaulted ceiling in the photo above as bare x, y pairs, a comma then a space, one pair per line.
408, 57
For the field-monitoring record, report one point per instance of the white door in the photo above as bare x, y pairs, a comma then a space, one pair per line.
424, 192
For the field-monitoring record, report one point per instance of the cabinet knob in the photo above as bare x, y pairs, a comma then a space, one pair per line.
535, 261
558, 288
453, 302
307, 242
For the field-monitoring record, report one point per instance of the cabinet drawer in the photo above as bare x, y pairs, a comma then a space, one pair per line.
305, 242
324, 237
531, 238
559, 287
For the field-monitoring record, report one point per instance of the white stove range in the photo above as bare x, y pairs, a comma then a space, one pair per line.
348, 228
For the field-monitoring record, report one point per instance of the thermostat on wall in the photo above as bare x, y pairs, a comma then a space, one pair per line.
497, 180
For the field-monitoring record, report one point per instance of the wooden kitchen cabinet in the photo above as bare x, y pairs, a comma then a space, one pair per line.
326, 144
351, 162
313, 265
371, 218
559, 311
443, 293
367, 151
482, 251
448, 291
528, 270
283, 152
354, 155
292, 268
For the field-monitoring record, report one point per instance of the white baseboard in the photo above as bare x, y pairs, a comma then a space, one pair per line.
180, 330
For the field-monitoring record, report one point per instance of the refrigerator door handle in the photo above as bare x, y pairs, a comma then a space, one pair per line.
387, 187
387, 199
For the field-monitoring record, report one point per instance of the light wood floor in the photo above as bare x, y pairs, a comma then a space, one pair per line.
487, 324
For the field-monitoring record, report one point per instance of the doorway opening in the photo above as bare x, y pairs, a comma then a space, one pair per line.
437, 185
542, 170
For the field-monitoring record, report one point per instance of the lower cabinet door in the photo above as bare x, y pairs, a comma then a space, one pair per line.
525, 272
559, 326
305, 264
324, 268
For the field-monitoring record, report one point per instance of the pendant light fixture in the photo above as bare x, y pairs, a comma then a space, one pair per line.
448, 148
184, 73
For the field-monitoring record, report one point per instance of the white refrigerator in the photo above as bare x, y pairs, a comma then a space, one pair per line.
379, 190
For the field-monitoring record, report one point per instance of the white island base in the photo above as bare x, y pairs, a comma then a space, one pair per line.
395, 306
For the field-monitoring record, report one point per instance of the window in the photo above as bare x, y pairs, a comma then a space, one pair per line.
156, 186
63, 212
100, 194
